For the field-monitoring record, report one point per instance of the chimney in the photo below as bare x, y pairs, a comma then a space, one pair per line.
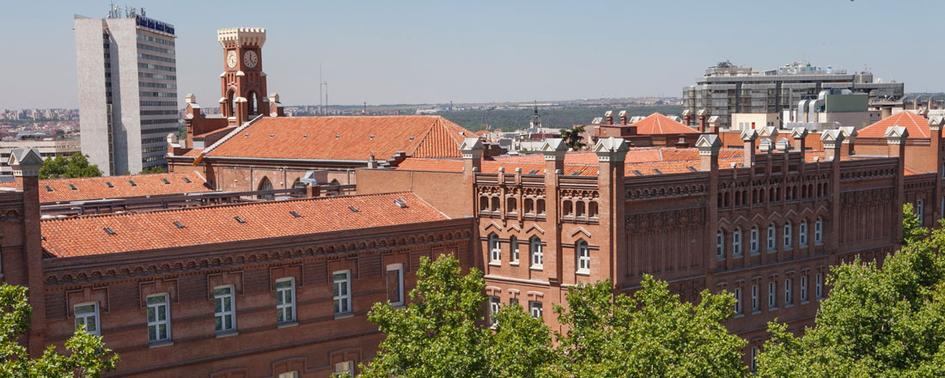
609, 117
752, 125
849, 138
623, 117
833, 142
709, 146
471, 149
749, 137
554, 150
275, 107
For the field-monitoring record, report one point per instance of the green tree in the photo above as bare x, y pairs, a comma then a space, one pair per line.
521, 346
87, 355
651, 333
76, 165
439, 333
574, 137
912, 229
883, 320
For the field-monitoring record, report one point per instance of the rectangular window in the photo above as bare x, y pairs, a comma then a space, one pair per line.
534, 308
719, 245
920, 211
159, 318
771, 239
395, 284
802, 234
285, 300
819, 285
772, 295
737, 243
754, 359
584, 258
537, 256
224, 310
495, 250
344, 369
493, 310
754, 243
819, 232
341, 293
86, 317
755, 305
788, 242
513, 246
788, 292
513, 301
804, 288
738, 300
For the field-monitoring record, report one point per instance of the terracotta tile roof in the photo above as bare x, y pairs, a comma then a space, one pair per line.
343, 138
917, 125
658, 124
645, 160
116, 233
95, 188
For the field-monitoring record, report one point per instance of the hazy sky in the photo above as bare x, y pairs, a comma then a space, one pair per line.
404, 51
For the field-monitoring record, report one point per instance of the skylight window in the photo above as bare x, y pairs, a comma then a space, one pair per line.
110, 231
109, 184
187, 180
179, 224
239, 219
353, 209
49, 188
72, 187
132, 182
401, 203
295, 214
164, 180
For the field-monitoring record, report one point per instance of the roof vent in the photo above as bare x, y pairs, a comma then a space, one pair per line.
239, 219
692, 169
132, 182
110, 231
354, 209
637, 172
49, 188
337, 136
72, 187
533, 171
659, 172
401, 203
187, 180
109, 184
179, 224
295, 214
165, 181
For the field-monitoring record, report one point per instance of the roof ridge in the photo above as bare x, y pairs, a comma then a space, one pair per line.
227, 137
228, 205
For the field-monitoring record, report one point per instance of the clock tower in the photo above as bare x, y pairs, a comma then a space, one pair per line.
243, 82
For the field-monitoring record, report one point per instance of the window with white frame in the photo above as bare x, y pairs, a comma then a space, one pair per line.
738, 300
86, 317
344, 369
720, 245
737, 242
771, 238
804, 288
819, 231
159, 318
755, 305
802, 233
495, 249
920, 211
583, 257
754, 244
341, 291
289, 374
224, 309
395, 284
788, 238
754, 359
534, 308
513, 250
788, 291
819, 285
494, 310
534, 246
772, 295
285, 300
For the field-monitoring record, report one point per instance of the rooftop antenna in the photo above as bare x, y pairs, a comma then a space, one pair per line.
322, 92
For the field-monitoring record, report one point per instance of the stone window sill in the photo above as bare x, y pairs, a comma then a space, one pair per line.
344, 316
495, 263
288, 324
583, 272
536, 267
161, 344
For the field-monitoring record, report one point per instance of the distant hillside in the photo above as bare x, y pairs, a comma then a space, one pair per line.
511, 119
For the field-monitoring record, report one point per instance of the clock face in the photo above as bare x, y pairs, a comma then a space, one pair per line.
231, 59
250, 59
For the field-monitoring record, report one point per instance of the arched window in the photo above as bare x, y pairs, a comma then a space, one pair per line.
511, 204
753, 241
230, 105
534, 249
737, 242
771, 238
802, 233
253, 104
819, 231
513, 250
579, 208
720, 244
265, 185
583, 257
495, 204
541, 206
567, 208
483, 203
592, 209
529, 206
788, 237
495, 250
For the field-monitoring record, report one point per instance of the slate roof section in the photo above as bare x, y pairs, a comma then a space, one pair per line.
130, 232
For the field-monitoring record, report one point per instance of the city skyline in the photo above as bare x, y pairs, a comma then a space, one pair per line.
412, 53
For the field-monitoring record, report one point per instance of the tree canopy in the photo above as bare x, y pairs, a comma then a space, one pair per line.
76, 165
574, 137
883, 320
87, 355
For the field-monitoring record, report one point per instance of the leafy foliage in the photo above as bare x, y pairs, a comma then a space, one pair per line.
912, 229
574, 137
649, 334
87, 355
880, 320
156, 169
76, 165
521, 346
